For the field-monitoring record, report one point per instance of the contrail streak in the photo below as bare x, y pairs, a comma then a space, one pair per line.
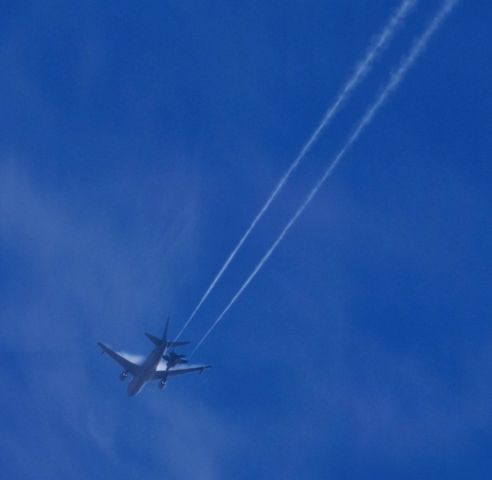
393, 82
360, 72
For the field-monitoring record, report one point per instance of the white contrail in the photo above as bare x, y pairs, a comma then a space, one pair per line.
393, 82
360, 72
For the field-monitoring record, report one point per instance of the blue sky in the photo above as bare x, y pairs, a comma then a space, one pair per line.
136, 146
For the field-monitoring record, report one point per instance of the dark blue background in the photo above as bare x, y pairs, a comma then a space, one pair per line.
137, 142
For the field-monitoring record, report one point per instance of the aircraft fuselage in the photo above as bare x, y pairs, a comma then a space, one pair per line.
147, 371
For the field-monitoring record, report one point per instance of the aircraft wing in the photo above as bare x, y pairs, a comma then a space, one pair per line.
129, 366
173, 372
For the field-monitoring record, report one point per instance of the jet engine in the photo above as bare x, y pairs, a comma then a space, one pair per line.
123, 375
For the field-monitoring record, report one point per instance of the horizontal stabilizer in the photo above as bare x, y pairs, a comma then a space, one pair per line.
156, 341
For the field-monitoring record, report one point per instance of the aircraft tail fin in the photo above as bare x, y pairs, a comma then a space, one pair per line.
159, 341
164, 335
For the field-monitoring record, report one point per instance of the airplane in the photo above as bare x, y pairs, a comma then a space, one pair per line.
162, 363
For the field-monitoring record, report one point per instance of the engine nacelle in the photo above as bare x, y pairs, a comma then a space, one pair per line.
123, 375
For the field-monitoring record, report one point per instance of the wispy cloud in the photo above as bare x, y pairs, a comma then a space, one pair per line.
81, 283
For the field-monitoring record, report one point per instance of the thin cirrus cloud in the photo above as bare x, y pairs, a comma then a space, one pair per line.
51, 327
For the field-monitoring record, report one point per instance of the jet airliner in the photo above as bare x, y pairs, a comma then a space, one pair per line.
162, 363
